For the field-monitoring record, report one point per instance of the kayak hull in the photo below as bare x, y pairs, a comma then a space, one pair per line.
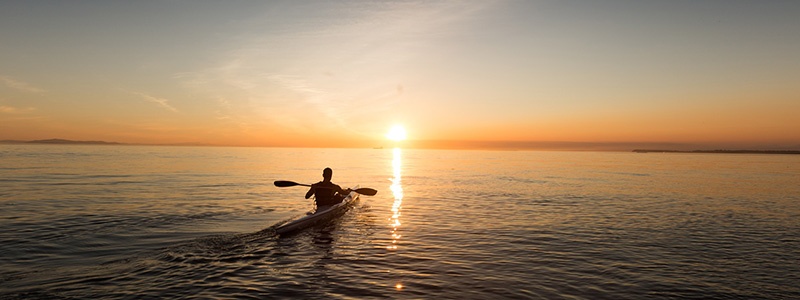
323, 214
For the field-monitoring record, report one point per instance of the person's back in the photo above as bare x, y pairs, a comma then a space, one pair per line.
326, 192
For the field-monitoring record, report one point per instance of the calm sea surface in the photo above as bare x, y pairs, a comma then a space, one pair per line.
140, 222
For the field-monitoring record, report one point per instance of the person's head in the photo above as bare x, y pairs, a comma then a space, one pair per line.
327, 174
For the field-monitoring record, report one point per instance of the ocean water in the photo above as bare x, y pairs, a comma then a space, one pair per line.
145, 222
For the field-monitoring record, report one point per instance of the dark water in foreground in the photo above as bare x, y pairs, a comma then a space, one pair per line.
117, 222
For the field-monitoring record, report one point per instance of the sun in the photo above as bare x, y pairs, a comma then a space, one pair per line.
396, 133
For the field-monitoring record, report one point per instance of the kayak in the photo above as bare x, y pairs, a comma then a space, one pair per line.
322, 214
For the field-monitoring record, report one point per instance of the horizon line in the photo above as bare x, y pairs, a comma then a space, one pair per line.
470, 145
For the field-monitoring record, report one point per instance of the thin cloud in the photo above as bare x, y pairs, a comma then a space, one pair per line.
223, 113
15, 110
304, 64
20, 85
164, 103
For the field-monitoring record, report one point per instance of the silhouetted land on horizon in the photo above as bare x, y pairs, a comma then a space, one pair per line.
60, 142
720, 151
71, 142
487, 145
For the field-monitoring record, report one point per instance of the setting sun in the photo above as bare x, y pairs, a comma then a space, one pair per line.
397, 133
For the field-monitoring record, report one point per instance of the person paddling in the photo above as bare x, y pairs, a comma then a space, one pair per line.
326, 192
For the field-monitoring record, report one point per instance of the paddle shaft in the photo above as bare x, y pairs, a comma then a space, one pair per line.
363, 191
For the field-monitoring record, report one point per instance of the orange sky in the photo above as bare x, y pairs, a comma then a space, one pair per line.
320, 74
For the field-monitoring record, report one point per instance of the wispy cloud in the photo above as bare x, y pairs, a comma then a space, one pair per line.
348, 63
164, 103
15, 110
20, 85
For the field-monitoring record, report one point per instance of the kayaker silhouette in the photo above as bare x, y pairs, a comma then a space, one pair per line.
325, 192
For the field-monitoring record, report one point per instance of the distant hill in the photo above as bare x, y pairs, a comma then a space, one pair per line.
11, 142
60, 142
71, 142
721, 151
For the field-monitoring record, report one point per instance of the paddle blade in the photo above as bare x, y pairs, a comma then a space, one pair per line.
367, 191
285, 183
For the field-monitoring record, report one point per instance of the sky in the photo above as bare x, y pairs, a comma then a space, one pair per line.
453, 73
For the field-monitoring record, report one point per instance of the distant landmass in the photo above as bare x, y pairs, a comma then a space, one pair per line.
497, 145
720, 151
72, 142
60, 142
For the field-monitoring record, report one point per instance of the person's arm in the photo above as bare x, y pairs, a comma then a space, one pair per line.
311, 191
341, 191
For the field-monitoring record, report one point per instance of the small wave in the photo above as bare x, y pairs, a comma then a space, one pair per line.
226, 248
35, 295
522, 180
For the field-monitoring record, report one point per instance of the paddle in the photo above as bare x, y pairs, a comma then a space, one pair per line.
362, 191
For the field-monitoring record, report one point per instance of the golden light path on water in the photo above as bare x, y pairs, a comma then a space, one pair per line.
397, 192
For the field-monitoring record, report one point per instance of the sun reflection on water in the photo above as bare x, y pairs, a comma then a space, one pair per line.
397, 192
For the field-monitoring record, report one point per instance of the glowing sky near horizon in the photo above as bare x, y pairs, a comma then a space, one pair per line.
326, 73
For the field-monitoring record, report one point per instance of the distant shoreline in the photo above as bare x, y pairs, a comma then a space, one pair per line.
517, 146
60, 142
720, 151
72, 142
